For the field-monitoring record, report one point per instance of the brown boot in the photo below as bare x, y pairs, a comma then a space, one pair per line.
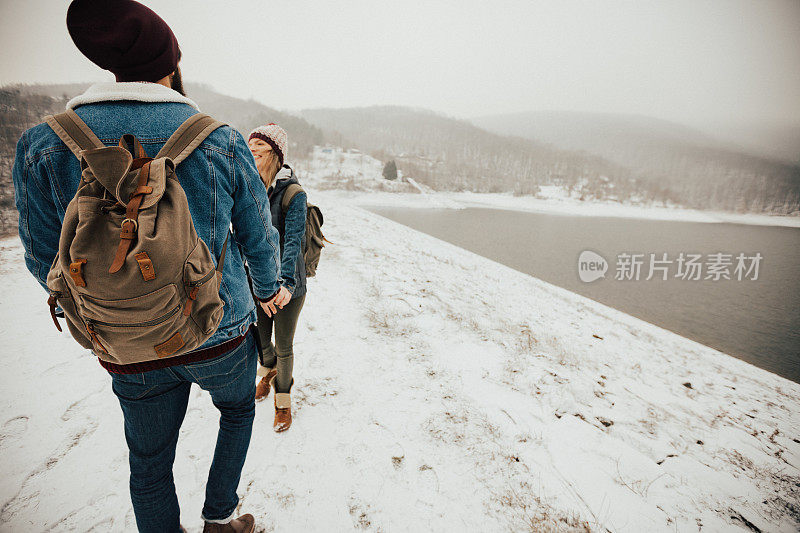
283, 410
244, 524
263, 386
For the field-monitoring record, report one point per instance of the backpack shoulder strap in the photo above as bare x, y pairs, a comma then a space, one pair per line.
288, 196
221, 262
73, 131
188, 136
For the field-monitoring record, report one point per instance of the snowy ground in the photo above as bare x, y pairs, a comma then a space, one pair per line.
435, 391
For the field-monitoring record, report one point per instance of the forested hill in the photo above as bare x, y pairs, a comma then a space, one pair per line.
19, 111
451, 154
648, 161
700, 170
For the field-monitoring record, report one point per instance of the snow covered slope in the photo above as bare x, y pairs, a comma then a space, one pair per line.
435, 391
331, 167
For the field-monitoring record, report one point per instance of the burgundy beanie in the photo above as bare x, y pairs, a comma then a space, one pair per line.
125, 37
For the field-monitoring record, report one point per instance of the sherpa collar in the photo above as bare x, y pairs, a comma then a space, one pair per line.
284, 173
140, 91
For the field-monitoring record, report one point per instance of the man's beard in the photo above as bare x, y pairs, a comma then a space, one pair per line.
176, 83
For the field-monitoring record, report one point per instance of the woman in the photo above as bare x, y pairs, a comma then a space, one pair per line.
268, 145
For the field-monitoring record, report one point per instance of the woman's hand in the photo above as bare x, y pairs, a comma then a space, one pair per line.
283, 297
271, 306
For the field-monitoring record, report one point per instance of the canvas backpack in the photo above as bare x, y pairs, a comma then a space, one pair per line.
132, 277
315, 240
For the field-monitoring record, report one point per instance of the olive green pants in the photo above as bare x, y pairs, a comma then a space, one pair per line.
279, 355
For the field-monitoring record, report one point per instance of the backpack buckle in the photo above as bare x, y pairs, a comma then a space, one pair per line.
135, 225
126, 237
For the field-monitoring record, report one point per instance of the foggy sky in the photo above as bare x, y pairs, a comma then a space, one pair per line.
688, 61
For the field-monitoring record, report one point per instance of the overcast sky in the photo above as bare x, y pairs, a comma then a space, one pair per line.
689, 61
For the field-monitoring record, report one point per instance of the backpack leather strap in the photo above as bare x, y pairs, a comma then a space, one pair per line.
221, 262
74, 132
188, 136
76, 271
52, 301
132, 144
130, 225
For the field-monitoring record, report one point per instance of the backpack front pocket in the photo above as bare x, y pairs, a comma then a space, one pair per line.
203, 302
121, 328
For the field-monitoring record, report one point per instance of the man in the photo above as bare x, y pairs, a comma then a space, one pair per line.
223, 189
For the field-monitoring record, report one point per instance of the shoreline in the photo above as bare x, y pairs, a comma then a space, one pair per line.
562, 206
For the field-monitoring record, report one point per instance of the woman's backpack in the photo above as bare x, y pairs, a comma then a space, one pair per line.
133, 278
315, 240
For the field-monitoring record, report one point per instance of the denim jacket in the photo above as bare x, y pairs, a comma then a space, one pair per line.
292, 229
219, 178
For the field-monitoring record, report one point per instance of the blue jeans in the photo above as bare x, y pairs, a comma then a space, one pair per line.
154, 404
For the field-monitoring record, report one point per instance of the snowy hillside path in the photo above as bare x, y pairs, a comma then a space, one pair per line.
435, 391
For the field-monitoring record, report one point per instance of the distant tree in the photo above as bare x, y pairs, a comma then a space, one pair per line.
390, 170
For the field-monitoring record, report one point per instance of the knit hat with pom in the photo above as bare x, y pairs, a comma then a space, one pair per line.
273, 135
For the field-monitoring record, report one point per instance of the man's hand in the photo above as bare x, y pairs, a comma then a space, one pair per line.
271, 306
